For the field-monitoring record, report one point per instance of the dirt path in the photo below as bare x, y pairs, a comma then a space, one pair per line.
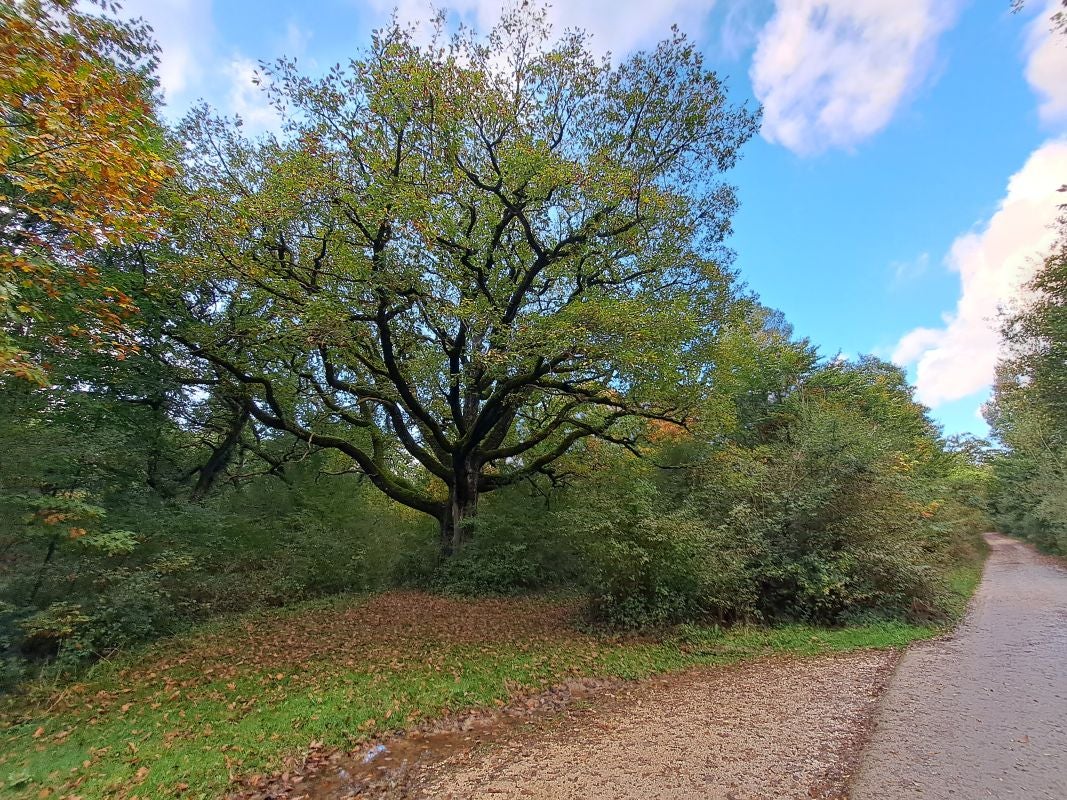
984, 713
772, 729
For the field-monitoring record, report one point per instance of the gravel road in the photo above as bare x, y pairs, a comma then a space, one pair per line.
779, 728
982, 714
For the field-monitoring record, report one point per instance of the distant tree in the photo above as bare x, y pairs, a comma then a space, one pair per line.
81, 159
467, 256
1028, 411
1037, 335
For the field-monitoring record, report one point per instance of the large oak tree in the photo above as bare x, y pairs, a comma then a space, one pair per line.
464, 257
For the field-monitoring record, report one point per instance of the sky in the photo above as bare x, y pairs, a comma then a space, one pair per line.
898, 197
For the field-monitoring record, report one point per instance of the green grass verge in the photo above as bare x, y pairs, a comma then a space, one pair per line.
962, 583
163, 724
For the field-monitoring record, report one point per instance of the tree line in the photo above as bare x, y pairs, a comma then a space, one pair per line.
1028, 411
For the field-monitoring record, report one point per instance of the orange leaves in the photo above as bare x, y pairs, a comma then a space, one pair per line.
53, 517
81, 155
662, 431
929, 511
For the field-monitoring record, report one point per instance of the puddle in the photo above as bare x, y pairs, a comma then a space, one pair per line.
395, 766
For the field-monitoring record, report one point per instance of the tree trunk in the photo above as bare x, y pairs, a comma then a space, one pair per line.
462, 507
220, 456
44, 566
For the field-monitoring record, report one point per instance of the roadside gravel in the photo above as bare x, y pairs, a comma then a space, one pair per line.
778, 728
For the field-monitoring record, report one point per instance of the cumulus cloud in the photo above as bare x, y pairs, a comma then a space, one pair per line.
831, 73
1046, 65
994, 262
193, 65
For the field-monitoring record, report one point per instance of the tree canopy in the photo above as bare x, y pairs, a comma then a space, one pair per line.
81, 160
1028, 411
464, 257
466, 323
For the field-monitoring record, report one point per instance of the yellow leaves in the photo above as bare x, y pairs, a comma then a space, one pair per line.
80, 149
663, 431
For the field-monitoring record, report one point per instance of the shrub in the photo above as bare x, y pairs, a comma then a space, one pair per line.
518, 543
647, 563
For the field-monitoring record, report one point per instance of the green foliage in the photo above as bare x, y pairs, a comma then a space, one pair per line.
1028, 413
465, 257
840, 505
650, 564
474, 328
97, 560
488, 567
843, 505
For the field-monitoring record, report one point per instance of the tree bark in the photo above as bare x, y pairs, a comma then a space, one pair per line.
220, 456
461, 509
44, 566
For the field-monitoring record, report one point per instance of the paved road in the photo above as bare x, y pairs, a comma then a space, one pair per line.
983, 714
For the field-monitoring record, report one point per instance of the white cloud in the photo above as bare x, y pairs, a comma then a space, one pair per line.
959, 358
1046, 66
193, 66
247, 98
185, 32
905, 272
740, 28
831, 73
618, 26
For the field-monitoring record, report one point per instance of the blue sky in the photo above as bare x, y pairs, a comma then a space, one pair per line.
900, 190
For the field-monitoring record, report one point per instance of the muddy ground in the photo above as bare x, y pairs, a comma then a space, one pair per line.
774, 728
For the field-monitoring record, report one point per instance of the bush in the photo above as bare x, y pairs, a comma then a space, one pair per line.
647, 562
135, 608
151, 565
518, 543
833, 516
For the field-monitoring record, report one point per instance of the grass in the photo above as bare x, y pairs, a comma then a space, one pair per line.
189, 716
962, 583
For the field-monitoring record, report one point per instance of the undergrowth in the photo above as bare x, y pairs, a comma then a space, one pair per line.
191, 715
